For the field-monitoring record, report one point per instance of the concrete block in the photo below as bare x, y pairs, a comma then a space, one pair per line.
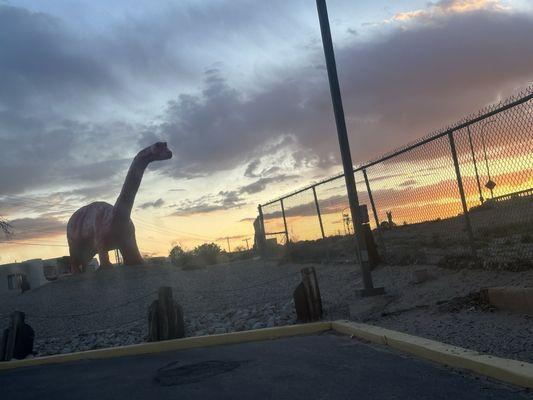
511, 299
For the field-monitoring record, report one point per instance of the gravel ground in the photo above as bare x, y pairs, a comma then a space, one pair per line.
442, 309
109, 308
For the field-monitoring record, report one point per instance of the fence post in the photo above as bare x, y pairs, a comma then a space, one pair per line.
284, 221
462, 194
475, 164
9, 336
318, 213
373, 205
261, 219
165, 317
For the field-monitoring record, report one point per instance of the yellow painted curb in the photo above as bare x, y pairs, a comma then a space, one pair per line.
176, 344
510, 371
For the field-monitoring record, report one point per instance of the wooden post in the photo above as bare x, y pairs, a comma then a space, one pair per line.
312, 290
307, 297
165, 317
9, 337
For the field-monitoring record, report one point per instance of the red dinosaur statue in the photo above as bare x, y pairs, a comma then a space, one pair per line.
99, 227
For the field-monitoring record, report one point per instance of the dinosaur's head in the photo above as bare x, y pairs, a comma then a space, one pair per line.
160, 151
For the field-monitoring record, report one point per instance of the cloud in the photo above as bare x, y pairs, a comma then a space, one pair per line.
152, 204
223, 200
251, 167
443, 8
397, 88
41, 61
34, 228
61, 91
261, 184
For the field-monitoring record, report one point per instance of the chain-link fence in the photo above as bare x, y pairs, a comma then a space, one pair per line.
464, 190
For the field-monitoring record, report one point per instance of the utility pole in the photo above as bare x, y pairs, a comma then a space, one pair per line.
229, 248
361, 250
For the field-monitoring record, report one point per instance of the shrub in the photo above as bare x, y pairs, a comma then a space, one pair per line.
180, 257
207, 253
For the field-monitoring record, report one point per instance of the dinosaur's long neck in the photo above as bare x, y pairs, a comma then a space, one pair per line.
124, 203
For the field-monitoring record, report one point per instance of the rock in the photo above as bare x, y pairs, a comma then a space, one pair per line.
258, 325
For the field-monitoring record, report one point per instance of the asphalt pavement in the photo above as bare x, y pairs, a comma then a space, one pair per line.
324, 366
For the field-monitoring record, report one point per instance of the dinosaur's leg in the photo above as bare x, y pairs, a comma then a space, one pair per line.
75, 265
131, 254
104, 259
74, 261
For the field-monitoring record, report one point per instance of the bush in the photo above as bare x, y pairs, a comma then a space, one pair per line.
207, 253
180, 257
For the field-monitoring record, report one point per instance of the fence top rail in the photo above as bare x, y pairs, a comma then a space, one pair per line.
521, 97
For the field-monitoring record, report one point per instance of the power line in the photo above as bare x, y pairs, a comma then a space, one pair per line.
33, 244
162, 229
147, 225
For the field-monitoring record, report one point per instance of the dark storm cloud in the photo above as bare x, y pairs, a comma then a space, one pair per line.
49, 76
396, 88
65, 154
41, 60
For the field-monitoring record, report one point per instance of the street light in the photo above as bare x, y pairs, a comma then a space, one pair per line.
490, 183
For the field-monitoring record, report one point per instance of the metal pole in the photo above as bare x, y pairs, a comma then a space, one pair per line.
373, 205
485, 153
361, 251
318, 213
261, 219
462, 194
284, 222
475, 165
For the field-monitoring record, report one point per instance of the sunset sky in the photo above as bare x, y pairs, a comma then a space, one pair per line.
239, 91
